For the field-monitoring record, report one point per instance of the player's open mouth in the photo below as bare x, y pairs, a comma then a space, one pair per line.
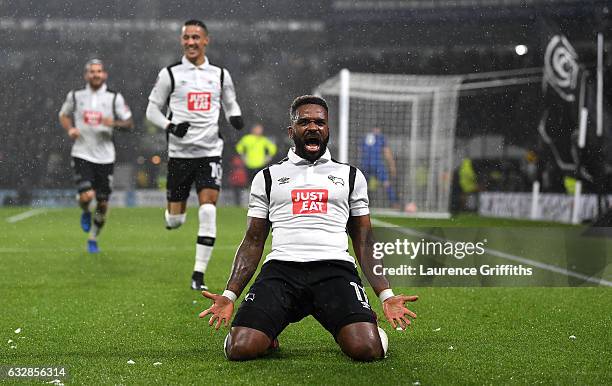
312, 145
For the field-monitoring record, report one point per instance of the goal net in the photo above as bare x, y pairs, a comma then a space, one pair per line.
400, 131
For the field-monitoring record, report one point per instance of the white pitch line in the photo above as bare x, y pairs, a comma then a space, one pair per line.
504, 255
24, 215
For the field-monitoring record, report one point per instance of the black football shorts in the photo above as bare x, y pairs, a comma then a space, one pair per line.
206, 172
89, 175
286, 292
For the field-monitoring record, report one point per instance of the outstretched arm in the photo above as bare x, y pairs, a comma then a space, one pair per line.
248, 254
244, 266
360, 230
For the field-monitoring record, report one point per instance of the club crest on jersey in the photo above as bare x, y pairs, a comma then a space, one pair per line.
336, 180
309, 201
283, 180
93, 118
198, 101
249, 297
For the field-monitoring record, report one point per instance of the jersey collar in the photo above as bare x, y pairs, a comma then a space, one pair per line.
101, 89
186, 62
296, 159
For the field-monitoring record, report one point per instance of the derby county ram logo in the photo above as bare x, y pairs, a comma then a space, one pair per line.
336, 180
561, 67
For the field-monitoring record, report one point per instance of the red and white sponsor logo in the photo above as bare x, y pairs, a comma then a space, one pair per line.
308, 201
198, 101
92, 117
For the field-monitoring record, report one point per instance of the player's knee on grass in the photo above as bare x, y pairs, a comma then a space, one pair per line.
360, 341
246, 343
174, 221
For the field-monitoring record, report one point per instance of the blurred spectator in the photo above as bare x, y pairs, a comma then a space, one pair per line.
378, 164
238, 179
256, 150
469, 185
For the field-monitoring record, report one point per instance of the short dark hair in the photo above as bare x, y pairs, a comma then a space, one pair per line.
198, 23
91, 62
306, 100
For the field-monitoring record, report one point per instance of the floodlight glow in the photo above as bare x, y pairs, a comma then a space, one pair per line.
521, 49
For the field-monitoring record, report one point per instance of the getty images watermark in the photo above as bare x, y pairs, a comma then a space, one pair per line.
455, 249
492, 256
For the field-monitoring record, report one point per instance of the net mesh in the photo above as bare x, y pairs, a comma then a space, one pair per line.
401, 135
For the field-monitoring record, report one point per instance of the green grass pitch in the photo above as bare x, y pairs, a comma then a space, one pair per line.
93, 314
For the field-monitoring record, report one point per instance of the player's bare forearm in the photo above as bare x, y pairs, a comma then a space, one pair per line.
360, 230
66, 122
127, 124
248, 254
390, 161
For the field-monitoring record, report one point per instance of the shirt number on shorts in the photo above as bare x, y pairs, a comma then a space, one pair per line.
216, 172
361, 295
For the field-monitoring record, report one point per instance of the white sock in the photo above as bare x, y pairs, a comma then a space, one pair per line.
98, 222
174, 221
206, 236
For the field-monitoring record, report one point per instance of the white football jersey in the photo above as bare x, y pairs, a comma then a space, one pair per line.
88, 107
309, 207
193, 94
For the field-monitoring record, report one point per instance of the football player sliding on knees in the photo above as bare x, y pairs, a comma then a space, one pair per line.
312, 202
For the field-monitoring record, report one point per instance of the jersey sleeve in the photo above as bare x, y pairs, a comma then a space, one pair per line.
68, 105
122, 109
161, 90
229, 102
359, 202
158, 99
258, 200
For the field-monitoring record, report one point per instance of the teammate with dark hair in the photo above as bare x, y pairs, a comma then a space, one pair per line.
193, 91
309, 201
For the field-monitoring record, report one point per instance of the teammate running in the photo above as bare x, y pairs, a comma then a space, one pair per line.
89, 116
309, 201
193, 91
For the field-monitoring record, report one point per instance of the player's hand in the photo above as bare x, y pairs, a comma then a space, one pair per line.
74, 133
395, 311
221, 309
237, 122
108, 121
178, 130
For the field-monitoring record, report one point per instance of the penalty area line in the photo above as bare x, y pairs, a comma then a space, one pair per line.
503, 255
24, 215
